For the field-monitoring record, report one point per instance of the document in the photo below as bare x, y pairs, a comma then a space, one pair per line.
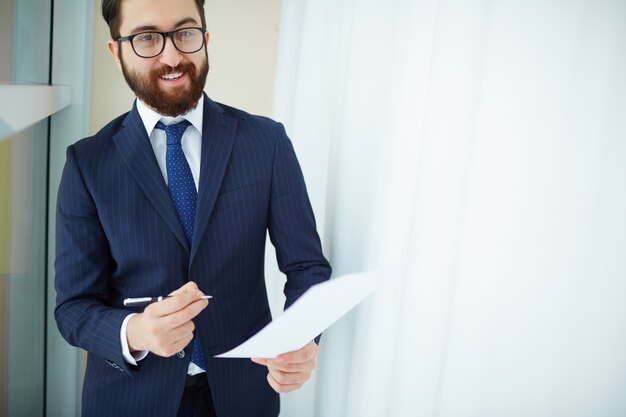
318, 308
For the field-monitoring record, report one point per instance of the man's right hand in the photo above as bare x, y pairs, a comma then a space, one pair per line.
166, 327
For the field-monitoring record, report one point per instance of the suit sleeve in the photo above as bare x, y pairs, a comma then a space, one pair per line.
83, 268
292, 224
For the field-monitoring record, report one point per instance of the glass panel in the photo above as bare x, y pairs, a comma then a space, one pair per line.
6, 40
23, 178
25, 41
24, 48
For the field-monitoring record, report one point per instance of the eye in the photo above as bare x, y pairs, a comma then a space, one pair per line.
145, 37
184, 33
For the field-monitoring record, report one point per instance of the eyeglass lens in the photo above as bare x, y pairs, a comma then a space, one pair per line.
150, 44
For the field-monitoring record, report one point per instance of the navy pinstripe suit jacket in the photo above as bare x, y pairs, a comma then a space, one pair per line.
118, 235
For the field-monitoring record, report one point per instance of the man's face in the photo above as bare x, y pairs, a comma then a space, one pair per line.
172, 82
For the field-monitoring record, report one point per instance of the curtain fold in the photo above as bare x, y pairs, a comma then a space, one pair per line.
474, 150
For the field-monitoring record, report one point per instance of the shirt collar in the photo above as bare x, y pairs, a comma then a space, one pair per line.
150, 117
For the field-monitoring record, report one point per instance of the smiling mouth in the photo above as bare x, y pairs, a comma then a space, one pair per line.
172, 76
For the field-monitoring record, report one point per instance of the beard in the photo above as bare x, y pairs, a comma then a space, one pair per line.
168, 103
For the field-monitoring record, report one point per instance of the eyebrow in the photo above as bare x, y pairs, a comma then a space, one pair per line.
144, 28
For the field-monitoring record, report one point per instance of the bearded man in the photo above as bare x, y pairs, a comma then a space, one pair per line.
175, 198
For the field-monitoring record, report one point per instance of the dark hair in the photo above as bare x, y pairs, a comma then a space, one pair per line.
111, 14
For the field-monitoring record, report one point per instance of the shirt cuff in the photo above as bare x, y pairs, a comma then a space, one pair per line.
134, 357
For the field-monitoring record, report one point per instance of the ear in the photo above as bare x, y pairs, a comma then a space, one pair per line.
206, 37
114, 49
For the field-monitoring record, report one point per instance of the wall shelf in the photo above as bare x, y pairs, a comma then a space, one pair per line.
23, 105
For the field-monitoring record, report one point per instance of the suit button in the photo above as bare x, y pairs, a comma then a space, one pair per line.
181, 354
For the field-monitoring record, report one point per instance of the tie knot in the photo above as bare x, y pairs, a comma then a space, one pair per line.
173, 132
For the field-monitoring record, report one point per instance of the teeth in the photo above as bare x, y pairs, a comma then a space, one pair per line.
172, 76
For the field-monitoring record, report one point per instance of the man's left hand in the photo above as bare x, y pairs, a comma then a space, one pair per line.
289, 371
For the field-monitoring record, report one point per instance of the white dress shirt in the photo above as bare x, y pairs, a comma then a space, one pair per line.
192, 147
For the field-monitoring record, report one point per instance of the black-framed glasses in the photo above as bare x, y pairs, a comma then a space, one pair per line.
150, 44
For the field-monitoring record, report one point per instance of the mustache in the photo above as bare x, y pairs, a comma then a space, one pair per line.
186, 67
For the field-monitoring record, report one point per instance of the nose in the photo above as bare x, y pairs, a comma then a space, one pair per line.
170, 55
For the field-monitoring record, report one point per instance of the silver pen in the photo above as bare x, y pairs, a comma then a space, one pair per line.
144, 301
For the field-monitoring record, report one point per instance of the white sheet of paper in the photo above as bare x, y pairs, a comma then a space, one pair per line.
310, 315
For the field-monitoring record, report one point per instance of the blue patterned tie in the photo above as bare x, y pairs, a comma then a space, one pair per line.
184, 195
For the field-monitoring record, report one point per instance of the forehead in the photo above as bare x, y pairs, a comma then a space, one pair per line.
157, 14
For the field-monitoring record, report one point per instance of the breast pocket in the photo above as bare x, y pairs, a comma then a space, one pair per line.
232, 198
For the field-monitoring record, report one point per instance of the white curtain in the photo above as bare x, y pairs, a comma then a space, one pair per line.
476, 151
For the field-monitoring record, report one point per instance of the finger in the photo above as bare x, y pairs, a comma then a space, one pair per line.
304, 355
289, 378
166, 341
304, 359
307, 353
188, 287
181, 342
281, 388
185, 315
181, 331
308, 366
173, 346
298, 367
174, 303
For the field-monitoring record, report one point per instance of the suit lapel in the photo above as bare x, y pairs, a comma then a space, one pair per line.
218, 135
133, 144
